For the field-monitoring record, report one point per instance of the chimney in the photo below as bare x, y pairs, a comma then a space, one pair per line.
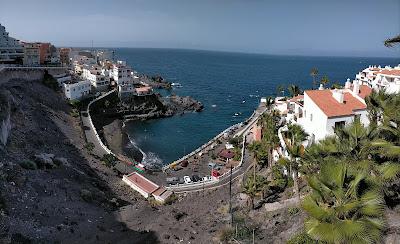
338, 95
347, 85
356, 87
321, 87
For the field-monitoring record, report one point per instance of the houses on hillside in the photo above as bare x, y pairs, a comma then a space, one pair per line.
320, 112
378, 78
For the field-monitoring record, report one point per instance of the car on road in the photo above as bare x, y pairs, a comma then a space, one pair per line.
187, 179
172, 180
196, 178
206, 178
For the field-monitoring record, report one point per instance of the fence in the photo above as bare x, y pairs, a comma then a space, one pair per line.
92, 125
199, 149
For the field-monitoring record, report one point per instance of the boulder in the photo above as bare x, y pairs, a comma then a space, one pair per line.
61, 161
45, 160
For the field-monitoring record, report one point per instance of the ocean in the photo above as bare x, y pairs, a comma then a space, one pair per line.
226, 83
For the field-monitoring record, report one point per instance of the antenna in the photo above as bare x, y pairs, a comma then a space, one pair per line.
92, 44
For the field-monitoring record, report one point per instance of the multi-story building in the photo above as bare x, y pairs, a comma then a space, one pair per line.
31, 54
11, 50
121, 73
65, 56
76, 90
94, 74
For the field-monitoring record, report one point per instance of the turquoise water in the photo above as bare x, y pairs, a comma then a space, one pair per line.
222, 81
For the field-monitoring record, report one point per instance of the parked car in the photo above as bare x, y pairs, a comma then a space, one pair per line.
181, 181
206, 178
196, 178
184, 163
187, 179
172, 180
211, 165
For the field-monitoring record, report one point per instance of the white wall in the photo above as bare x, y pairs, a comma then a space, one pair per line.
76, 91
318, 123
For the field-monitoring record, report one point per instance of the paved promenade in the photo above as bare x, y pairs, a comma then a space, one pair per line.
90, 131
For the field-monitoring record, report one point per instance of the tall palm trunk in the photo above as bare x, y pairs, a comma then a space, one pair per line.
296, 184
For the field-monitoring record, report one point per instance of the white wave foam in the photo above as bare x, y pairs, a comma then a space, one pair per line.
150, 159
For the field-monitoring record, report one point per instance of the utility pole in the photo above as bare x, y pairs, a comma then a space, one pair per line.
230, 196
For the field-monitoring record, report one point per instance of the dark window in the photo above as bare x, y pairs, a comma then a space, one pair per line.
339, 124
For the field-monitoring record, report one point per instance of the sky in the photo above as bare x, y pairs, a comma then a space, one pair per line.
288, 27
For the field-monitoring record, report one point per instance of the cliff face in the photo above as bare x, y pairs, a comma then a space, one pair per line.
5, 116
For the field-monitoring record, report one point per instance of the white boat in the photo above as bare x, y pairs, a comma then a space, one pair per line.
176, 84
243, 101
214, 105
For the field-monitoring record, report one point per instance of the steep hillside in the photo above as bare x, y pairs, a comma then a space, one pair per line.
48, 191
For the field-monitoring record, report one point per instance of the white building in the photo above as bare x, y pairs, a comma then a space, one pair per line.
121, 73
378, 78
76, 90
94, 74
62, 78
325, 110
11, 50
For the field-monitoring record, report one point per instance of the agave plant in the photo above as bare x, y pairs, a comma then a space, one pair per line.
345, 206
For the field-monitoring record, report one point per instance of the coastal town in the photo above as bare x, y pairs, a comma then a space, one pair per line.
269, 145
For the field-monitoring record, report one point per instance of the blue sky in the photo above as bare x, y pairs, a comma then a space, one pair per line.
305, 27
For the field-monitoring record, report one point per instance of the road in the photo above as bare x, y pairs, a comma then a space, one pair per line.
247, 163
90, 131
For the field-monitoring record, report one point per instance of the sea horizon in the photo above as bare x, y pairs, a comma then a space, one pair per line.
236, 52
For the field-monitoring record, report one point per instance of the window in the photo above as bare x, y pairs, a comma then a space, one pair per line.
305, 115
311, 117
357, 117
339, 124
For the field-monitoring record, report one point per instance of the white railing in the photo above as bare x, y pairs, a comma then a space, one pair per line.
199, 149
92, 125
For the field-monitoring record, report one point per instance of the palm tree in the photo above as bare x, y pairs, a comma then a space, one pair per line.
295, 135
314, 74
280, 90
324, 80
254, 185
390, 42
293, 90
345, 206
376, 102
269, 123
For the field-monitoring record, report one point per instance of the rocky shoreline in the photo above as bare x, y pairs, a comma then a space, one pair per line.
109, 114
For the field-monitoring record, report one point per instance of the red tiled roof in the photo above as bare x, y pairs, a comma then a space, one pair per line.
226, 154
142, 182
296, 98
331, 107
395, 72
159, 191
364, 91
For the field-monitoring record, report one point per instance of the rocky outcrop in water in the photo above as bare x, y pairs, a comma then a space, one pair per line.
184, 104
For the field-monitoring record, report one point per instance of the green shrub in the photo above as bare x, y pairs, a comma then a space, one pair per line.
226, 234
109, 160
50, 82
301, 238
293, 211
27, 164
89, 146
74, 113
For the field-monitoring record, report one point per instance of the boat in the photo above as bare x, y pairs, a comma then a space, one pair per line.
176, 84
243, 101
214, 105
